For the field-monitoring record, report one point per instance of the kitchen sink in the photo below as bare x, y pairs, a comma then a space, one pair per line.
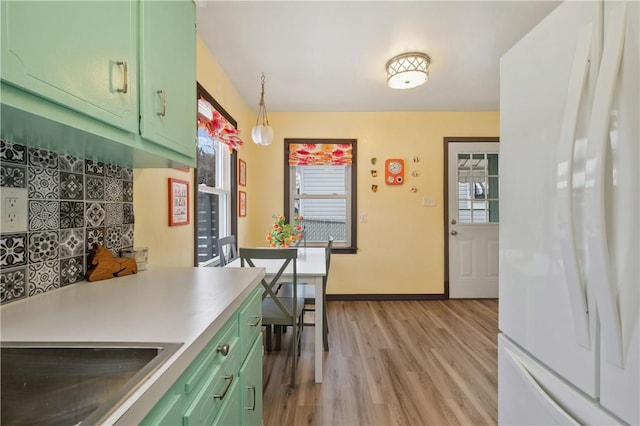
72, 383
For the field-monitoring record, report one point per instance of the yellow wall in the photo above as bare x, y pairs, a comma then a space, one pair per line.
169, 246
400, 247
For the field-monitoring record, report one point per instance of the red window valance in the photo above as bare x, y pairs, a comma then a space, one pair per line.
214, 125
320, 154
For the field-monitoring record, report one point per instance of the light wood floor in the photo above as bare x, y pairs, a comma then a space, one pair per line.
392, 363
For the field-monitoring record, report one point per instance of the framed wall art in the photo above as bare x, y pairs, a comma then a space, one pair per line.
242, 203
178, 202
242, 172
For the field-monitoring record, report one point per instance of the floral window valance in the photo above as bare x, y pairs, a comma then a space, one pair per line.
212, 124
320, 154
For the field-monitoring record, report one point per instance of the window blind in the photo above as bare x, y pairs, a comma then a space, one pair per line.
320, 154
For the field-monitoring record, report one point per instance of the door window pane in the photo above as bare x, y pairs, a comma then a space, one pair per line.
478, 188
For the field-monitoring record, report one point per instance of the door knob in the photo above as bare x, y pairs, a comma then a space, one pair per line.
454, 232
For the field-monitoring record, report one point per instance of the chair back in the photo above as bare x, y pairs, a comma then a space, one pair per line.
328, 253
227, 249
284, 257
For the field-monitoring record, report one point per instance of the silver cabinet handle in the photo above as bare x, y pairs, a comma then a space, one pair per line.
226, 388
255, 324
125, 72
454, 232
253, 390
224, 349
163, 96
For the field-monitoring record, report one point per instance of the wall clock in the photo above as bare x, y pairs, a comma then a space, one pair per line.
394, 171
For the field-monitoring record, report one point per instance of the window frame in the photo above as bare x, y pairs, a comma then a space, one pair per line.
352, 210
233, 183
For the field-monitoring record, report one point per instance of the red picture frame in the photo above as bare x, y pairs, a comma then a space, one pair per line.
178, 202
242, 172
242, 203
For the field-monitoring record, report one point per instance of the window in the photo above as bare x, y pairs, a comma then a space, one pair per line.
215, 181
320, 184
478, 188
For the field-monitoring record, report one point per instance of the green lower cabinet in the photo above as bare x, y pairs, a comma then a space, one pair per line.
223, 384
229, 414
251, 384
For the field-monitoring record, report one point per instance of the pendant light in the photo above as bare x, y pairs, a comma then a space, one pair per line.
262, 133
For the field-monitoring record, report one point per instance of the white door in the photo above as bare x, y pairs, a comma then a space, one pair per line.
473, 219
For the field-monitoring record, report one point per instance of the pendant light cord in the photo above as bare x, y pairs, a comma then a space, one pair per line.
262, 108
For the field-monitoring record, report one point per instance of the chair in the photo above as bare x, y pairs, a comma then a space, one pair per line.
309, 294
279, 311
227, 249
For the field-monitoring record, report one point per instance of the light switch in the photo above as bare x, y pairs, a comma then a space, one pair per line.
428, 201
14, 209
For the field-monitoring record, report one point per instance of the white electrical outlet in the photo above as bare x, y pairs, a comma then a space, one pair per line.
14, 209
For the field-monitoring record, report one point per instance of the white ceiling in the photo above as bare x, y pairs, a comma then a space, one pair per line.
331, 55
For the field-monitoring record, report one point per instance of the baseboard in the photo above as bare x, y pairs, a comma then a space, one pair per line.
386, 297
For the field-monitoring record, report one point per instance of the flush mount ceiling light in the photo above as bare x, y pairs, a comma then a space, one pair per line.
408, 70
262, 133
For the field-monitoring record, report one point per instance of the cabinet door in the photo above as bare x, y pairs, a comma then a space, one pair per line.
168, 79
82, 55
251, 386
250, 321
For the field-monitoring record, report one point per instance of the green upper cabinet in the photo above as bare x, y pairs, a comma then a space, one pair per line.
107, 80
168, 70
79, 54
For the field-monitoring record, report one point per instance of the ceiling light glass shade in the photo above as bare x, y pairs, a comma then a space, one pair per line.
262, 135
408, 70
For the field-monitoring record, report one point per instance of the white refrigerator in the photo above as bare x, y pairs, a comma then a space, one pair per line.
569, 348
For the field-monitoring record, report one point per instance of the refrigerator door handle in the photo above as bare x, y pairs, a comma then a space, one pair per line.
561, 415
600, 274
566, 148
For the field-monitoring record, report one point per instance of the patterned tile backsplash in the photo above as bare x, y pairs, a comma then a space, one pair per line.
72, 204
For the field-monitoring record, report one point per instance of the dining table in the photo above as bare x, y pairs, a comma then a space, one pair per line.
311, 269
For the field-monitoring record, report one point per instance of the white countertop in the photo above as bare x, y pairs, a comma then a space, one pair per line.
176, 305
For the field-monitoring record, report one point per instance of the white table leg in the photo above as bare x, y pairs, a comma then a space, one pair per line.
319, 326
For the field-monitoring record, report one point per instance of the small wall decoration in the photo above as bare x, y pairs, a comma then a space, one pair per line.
242, 203
394, 171
374, 173
415, 173
373, 160
414, 189
374, 188
242, 172
178, 202
416, 159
